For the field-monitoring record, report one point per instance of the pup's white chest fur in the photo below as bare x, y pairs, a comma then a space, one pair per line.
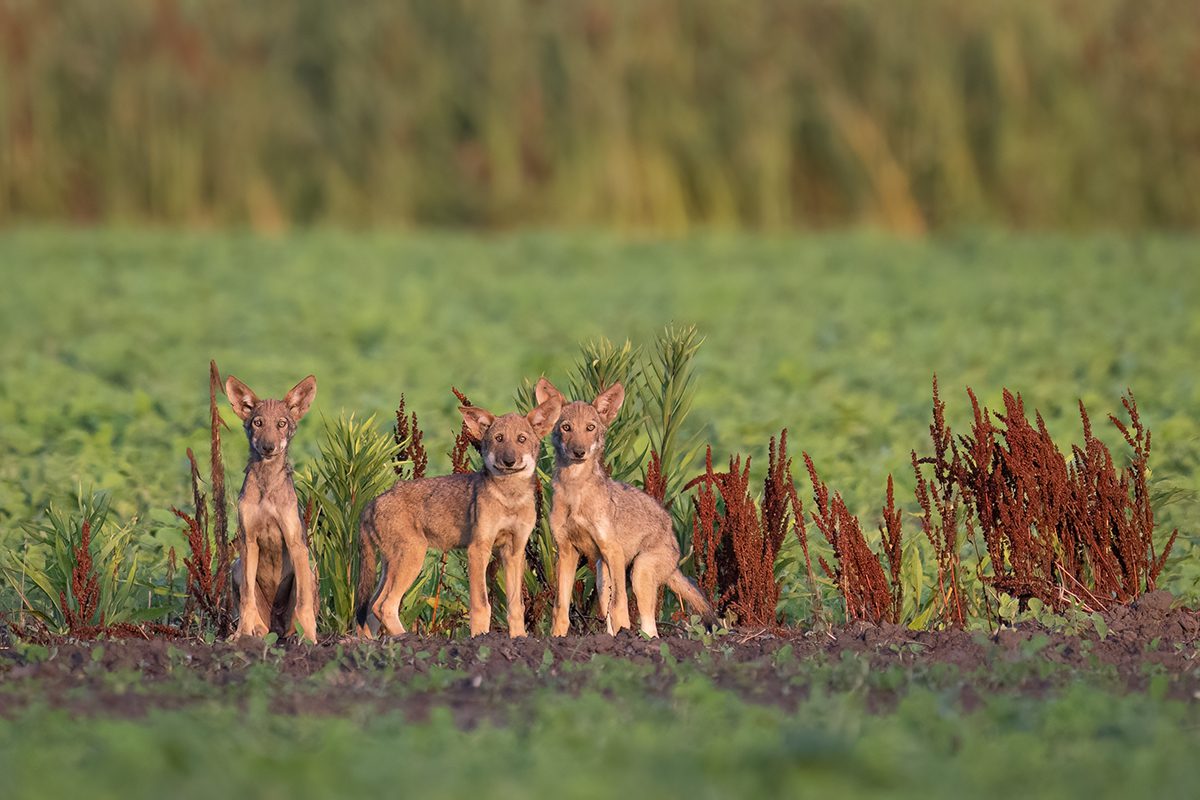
586, 512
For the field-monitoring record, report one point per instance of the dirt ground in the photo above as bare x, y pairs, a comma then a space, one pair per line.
485, 677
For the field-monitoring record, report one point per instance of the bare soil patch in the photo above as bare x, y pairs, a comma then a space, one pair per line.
489, 677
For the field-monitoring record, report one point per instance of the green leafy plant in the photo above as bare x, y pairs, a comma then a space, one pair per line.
355, 465
666, 393
76, 570
601, 364
695, 629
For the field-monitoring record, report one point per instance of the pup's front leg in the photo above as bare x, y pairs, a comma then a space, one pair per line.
514, 576
250, 623
616, 609
568, 562
305, 586
480, 612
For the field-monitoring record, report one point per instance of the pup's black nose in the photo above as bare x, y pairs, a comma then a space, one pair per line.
268, 448
509, 461
578, 452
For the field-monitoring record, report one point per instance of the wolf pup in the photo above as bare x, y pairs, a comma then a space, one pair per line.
274, 583
495, 507
607, 521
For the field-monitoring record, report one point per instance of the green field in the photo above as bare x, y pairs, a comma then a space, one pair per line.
103, 386
107, 338
815, 237
722, 748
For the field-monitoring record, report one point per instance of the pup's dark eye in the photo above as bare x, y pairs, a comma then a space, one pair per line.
499, 437
565, 428
281, 424
258, 422
591, 427
521, 438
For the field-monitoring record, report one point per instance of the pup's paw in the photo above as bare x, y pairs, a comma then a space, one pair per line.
256, 630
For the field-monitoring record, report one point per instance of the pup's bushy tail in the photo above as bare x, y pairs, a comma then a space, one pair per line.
366, 568
692, 597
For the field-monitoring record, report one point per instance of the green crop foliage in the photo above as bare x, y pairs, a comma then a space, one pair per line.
670, 389
108, 334
38, 569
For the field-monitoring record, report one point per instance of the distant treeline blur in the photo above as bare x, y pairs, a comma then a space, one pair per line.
640, 113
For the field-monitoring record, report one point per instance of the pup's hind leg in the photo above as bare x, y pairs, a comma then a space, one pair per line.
399, 571
283, 604
616, 609
650, 571
237, 582
369, 628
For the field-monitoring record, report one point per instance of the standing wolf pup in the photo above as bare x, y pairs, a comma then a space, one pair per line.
603, 519
274, 585
495, 507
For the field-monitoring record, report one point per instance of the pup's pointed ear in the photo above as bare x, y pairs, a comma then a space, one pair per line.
300, 397
608, 403
240, 397
542, 418
544, 390
477, 421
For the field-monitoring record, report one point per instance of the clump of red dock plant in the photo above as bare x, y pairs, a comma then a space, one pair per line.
85, 588
460, 454
654, 484
857, 573
410, 460
939, 499
217, 479
736, 541
208, 603
892, 536
1074, 530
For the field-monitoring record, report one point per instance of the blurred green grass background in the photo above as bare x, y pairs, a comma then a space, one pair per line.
912, 115
618, 732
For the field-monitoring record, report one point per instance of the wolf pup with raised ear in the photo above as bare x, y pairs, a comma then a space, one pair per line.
274, 582
481, 511
610, 522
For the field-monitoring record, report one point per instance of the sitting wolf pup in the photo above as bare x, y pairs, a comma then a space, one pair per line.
495, 507
608, 521
274, 583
